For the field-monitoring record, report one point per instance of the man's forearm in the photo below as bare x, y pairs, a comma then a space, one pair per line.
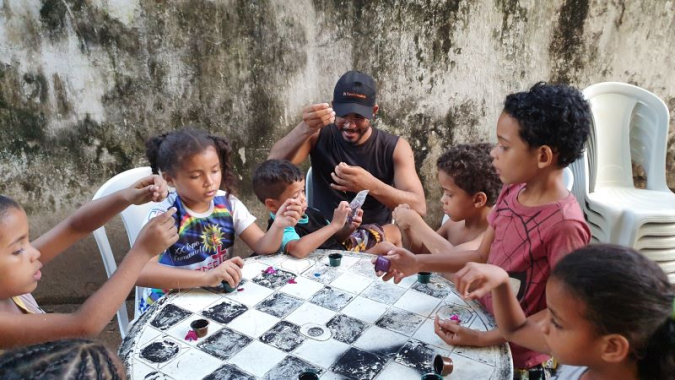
287, 148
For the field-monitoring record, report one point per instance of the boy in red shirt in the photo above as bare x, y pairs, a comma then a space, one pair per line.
536, 220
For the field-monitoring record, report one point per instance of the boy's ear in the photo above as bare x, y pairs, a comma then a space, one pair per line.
272, 205
479, 199
615, 348
169, 180
545, 156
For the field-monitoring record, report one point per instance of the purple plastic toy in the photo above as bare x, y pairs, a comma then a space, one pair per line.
382, 264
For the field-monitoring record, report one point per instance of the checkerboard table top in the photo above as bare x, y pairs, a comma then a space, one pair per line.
341, 322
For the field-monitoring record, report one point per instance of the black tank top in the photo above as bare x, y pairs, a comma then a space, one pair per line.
376, 156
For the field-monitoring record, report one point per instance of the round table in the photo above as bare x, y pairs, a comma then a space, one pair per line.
292, 315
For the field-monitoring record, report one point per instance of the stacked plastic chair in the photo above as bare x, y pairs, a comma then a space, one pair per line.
629, 124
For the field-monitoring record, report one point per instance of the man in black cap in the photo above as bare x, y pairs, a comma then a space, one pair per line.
349, 155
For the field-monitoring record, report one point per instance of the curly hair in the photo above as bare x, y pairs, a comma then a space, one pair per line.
72, 359
168, 151
601, 276
272, 177
554, 115
470, 166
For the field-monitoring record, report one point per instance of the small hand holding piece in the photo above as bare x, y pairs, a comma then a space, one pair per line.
151, 188
452, 333
318, 116
158, 234
229, 271
288, 214
340, 214
403, 264
405, 216
352, 178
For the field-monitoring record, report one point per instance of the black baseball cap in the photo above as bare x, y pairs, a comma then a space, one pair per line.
354, 93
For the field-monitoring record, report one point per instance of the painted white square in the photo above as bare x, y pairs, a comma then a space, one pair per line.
465, 368
406, 282
194, 364
257, 358
394, 370
323, 354
364, 309
478, 324
252, 269
453, 298
251, 295
140, 370
486, 355
352, 283
309, 312
426, 334
253, 323
304, 288
328, 375
377, 338
196, 300
296, 266
149, 334
273, 260
180, 330
418, 303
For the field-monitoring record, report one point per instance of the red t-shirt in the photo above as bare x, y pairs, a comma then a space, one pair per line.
528, 242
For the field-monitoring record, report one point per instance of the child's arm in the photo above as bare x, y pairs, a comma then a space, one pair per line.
308, 243
348, 228
404, 263
156, 275
417, 235
475, 280
268, 243
100, 308
94, 214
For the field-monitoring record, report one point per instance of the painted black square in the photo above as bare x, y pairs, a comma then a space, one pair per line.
400, 320
331, 298
225, 311
225, 343
290, 368
229, 372
417, 355
273, 280
160, 352
382, 292
279, 305
284, 335
346, 329
169, 316
435, 288
359, 364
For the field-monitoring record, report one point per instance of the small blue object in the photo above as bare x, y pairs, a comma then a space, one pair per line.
317, 274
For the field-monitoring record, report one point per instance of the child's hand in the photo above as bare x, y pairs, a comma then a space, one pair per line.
403, 264
454, 334
152, 188
404, 216
340, 214
229, 271
158, 234
476, 280
288, 214
356, 220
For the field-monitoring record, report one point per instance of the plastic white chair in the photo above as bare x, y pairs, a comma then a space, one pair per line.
630, 123
133, 218
309, 188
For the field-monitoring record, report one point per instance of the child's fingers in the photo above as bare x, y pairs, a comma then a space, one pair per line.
238, 261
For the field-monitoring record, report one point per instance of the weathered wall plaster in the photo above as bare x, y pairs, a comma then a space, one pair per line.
83, 83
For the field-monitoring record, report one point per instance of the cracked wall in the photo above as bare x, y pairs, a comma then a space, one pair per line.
83, 83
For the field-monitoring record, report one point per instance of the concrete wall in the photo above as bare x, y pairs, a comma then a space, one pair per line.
83, 83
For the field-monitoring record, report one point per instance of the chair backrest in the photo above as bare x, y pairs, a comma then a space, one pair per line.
629, 123
309, 188
568, 178
133, 218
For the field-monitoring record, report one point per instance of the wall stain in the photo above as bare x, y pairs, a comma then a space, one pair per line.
567, 46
